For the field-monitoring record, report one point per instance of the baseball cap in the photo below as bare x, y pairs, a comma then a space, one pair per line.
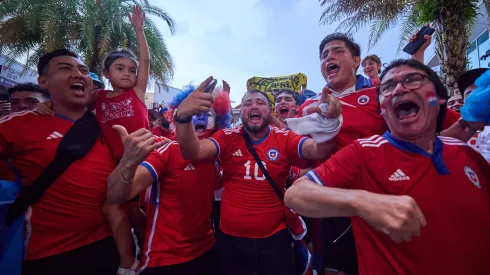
469, 77
96, 80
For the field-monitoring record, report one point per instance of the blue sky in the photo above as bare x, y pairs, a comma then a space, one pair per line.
235, 40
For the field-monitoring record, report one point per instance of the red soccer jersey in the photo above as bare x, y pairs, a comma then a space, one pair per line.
126, 110
451, 187
249, 206
451, 118
69, 214
179, 211
361, 114
161, 132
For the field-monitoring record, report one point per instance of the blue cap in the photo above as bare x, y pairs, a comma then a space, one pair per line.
96, 79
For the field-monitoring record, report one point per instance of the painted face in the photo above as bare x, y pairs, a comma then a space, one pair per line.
409, 111
122, 73
255, 112
285, 106
455, 102
204, 123
68, 82
371, 69
25, 100
338, 66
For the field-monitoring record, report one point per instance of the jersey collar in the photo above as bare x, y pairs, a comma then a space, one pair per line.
349, 91
436, 157
257, 142
361, 83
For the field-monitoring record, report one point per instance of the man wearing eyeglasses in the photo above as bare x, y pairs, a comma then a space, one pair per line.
420, 204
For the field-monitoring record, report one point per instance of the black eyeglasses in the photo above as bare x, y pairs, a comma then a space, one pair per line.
410, 81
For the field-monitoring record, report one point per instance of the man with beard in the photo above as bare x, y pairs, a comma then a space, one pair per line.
254, 235
419, 203
179, 238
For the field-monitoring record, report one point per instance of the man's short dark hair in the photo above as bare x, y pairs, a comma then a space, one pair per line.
253, 91
441, 90
28, 87
293, 94
42, 65
353, 47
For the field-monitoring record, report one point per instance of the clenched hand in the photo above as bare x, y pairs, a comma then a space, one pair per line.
397, 216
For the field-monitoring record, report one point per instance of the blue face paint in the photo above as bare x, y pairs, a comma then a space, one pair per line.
201, 119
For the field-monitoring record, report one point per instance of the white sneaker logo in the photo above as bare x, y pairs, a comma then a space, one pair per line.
238, 153
189, 167
399, 176
55, 135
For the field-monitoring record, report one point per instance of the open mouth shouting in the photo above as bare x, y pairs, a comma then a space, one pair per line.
406, 110
283, 111
78, 88
255, 117
200, 128
332, 70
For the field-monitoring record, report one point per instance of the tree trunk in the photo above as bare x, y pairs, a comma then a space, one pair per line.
451, 45
95, 65
96, 58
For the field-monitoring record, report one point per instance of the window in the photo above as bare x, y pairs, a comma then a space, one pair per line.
473, 59
483, 48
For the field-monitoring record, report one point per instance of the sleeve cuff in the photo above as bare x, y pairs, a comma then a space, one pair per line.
217, 147
300, 147
152, 170
313, 176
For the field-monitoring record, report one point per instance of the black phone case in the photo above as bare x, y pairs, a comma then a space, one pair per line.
208, 88
412, 47
4, 97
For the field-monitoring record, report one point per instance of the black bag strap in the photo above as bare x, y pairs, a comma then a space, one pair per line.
252, 151
73, 146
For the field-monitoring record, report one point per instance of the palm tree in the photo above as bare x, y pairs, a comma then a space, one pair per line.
90, 28
452, 20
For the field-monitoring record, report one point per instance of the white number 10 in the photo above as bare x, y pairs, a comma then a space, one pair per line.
256, 171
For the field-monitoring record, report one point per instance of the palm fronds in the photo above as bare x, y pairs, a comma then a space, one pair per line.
32, 27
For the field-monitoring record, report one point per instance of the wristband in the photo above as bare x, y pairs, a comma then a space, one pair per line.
182, 120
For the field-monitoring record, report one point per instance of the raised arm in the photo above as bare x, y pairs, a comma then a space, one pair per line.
318, 151
419, 54
137, 147
137, 19
195, 103
322, 150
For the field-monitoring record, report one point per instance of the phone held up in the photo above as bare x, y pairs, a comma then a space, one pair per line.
414, 46
210, 88
4, 97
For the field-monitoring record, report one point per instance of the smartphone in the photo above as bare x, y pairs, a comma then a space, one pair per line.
209, 89
4, 97
414, 46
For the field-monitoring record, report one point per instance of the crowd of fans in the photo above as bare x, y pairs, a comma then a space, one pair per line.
378, 175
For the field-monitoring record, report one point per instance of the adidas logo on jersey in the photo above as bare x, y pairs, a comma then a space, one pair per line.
238, 153
189, 167
398, 176
55, 135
